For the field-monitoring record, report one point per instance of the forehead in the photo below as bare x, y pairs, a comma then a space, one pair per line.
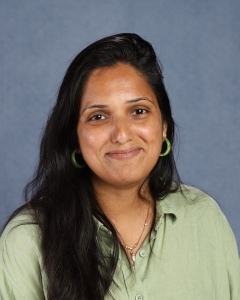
116, 80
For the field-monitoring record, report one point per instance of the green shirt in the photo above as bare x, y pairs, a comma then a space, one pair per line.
191, 254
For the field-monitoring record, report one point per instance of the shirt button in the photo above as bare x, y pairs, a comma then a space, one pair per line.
139, 297
142, 253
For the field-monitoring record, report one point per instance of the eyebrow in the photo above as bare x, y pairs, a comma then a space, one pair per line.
139, 99
106, 106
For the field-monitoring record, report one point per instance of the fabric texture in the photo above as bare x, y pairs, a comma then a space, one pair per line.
191, 253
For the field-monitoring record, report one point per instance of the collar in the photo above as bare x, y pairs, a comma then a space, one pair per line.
170, 205
100, 226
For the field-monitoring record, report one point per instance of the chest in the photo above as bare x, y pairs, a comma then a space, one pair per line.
173, 265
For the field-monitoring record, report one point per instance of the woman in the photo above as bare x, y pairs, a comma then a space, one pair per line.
106, 216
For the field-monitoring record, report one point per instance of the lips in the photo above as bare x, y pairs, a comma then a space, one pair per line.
124, 154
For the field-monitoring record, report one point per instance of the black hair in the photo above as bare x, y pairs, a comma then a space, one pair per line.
62, 197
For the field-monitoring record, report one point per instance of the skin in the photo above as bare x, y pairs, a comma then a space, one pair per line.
120, 133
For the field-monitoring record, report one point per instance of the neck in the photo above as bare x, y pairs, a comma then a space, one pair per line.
131, 215
118, 202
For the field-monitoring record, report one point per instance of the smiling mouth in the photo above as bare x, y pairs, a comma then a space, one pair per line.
124, 154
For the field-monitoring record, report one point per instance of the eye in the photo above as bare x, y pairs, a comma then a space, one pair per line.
97, 117
140, 111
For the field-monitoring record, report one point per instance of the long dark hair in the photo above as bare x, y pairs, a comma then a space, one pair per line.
61, 196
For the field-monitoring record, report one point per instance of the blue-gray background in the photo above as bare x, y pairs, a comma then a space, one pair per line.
198, 43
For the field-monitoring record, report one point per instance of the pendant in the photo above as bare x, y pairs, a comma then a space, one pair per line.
133, 257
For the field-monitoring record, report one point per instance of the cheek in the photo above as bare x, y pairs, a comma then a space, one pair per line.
85, 140
153, 133
90, 142
154, 138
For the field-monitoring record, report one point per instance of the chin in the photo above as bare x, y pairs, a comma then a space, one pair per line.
131, 181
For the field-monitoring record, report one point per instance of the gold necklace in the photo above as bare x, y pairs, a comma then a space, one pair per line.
131, 249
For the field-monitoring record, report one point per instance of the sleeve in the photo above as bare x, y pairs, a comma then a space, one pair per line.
20, 264
219, 234
232, 259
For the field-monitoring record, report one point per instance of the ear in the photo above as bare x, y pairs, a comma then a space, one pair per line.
165, 126
78, 151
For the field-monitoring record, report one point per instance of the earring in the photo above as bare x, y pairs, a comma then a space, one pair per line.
74, 162
168, 147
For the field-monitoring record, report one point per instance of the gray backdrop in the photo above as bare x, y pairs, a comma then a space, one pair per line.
198, 44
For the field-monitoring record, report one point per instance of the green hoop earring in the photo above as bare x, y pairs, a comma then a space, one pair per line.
169, 147
74, 162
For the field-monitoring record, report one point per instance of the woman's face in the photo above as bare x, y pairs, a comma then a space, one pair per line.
120, 128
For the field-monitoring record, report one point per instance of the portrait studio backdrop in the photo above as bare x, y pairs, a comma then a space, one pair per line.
198, 43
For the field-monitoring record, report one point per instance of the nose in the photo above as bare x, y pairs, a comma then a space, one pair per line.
121, 131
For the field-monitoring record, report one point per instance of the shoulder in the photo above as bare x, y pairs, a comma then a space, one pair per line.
195, 224
20, 241
192, 201
21, 232
21, 268
202, 207
197, 212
